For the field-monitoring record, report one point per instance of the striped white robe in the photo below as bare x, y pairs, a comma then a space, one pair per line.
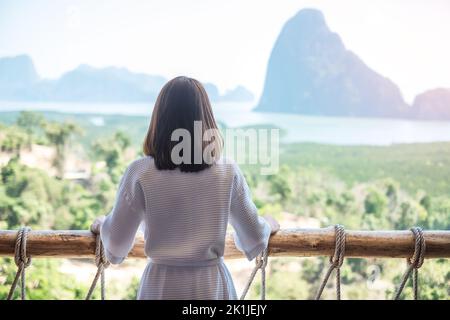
185, 217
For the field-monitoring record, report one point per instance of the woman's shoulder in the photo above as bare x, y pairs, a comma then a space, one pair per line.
229, 165
140, 166
145, 165
235, 172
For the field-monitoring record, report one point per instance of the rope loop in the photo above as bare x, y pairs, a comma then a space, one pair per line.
100, 256
260, 264
22, 261
339, 249
102, 263
413, 263
419, 248
336, 261
261, 260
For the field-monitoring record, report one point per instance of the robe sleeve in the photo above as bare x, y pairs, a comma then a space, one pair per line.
121, 224
252, 232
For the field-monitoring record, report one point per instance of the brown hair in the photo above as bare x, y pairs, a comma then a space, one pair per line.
181, 101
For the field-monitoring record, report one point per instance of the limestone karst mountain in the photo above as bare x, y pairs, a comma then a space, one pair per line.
310, 71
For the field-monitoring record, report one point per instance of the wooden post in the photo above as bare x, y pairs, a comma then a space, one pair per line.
287, 242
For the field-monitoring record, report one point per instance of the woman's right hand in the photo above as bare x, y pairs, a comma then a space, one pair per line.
274, 225
97, 224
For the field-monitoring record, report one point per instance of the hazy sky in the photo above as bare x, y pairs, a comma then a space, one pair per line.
227, 42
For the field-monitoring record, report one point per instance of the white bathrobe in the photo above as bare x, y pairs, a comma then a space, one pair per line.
185, 216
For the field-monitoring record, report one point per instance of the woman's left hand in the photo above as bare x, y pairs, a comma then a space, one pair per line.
96, 225
274, 225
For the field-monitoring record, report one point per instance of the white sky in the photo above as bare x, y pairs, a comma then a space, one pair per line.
226, 42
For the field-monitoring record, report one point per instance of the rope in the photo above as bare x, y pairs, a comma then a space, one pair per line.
414, 263
260, 263
102, 263
22, 262
335, 262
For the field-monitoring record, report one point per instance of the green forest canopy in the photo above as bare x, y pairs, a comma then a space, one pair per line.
393, 187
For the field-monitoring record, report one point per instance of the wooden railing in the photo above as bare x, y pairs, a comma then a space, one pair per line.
287, 242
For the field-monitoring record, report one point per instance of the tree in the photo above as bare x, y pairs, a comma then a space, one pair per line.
375, 203
410, 213
426, 202
391, 194
30, 122
279, 184
12, 139
59, 135
111, 151
438, 216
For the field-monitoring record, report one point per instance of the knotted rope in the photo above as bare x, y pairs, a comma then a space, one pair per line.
102, 263
414, 263
260, 263
22, 262
335, 262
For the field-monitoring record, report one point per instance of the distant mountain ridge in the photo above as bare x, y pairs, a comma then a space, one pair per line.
19, 81
17, 74
311, 72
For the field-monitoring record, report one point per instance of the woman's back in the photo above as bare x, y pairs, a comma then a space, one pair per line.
188, 212
185, 215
